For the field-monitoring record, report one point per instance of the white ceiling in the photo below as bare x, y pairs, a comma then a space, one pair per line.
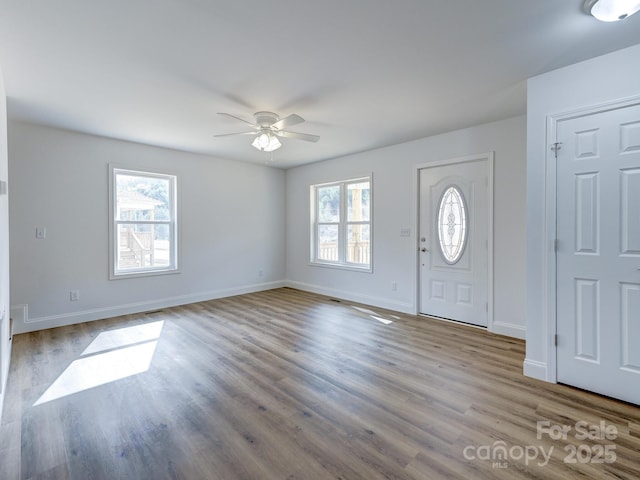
363, 73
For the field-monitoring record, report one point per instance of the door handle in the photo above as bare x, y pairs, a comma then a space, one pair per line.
424, 249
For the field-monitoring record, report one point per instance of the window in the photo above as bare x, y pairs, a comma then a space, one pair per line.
452, 224
341, 224
143, 233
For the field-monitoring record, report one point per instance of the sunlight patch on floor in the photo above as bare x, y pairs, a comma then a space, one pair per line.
125, 336
125, 352
374, 315
381, 320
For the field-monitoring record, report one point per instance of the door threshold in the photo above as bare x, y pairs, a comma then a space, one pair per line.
457, 322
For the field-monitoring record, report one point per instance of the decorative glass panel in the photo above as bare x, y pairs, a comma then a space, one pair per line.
452, 224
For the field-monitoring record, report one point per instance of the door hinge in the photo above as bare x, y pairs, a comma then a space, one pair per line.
555, 244
555, 147
555, 340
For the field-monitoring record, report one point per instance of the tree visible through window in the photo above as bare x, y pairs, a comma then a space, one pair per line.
143, 215
342, 223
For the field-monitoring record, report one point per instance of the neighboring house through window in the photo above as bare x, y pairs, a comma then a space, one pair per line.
143, 223
341, 224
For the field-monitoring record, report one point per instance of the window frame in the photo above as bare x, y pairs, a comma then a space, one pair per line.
343, 225
172, 223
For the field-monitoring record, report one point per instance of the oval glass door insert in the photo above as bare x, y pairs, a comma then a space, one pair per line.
452, 224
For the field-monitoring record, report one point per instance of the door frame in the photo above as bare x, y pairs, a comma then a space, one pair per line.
486, 157
549, 258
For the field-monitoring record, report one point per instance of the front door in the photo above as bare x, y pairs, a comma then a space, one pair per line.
598, 255
453, 241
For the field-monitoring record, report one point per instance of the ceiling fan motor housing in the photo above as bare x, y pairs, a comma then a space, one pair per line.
265, 119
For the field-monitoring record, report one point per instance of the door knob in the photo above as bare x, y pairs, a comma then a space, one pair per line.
423, 249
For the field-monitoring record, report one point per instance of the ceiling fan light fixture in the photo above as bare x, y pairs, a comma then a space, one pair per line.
266, 142
267, 127
611, 10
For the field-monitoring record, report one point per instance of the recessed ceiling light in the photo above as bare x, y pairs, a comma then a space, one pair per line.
611, 10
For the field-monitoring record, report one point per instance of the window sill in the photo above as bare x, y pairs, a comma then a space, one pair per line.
142, 273
341, 266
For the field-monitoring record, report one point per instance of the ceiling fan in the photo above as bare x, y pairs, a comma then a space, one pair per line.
267, 127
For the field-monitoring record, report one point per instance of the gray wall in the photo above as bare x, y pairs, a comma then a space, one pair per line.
231, 215
601, 80
233, 225
394, 172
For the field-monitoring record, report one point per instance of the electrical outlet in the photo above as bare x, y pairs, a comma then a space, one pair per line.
41, 233
74, 295
394, 286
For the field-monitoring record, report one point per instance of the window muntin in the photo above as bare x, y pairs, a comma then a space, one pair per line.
143, 237
342, 224
452, 224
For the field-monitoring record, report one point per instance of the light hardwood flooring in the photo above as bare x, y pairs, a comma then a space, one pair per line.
289, 385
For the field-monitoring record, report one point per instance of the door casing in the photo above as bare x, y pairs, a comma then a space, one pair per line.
488, 158
550, 234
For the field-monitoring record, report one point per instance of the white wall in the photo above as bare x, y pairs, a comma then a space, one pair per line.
232, 227
394, 172
5, 345
597, 81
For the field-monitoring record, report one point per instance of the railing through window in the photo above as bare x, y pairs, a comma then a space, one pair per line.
140, 246
357, 252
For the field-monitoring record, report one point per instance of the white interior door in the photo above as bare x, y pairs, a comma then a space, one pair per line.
454, 241
598, 257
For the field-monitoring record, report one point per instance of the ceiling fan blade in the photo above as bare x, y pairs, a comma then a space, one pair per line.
238, 133
238, 118
289, 121
298, 136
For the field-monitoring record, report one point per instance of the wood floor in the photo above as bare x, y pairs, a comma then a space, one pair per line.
289, 385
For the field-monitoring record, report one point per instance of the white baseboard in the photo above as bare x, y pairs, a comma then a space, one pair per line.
20, 314
535, 369
354, 297
23, 324
509, 330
